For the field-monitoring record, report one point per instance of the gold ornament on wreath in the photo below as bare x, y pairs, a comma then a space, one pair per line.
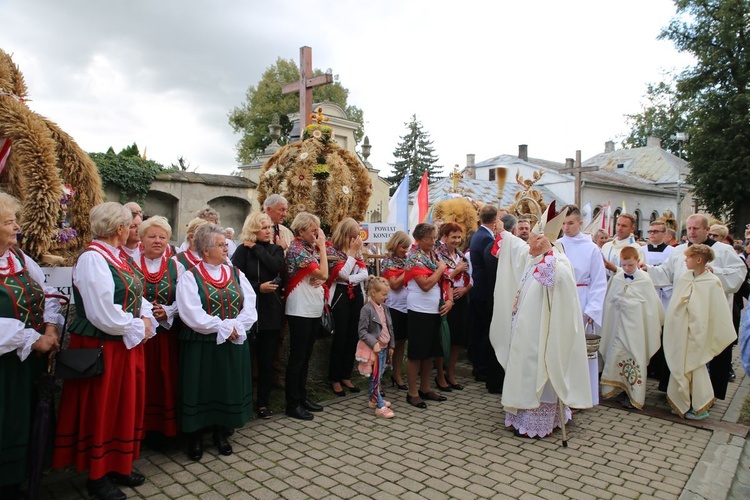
528, 201
318, 176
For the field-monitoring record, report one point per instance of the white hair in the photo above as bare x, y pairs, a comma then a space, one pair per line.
272, 200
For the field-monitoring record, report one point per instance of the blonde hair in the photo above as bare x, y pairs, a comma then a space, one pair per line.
375, 283
155, 221
702, 251
720, 229
9, 204
107, 217
341, 233
194, 224
303, 221
399, 239
253, 224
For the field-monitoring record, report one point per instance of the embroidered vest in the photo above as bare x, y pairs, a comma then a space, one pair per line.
182, 259
21, 297
224, 303
128, 294
162, 292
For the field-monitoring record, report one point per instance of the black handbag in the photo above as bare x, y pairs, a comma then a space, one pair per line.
79, 363
326, 322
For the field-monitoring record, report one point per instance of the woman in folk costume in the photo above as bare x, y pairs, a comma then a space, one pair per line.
100, 423
217, 308
28, 322
189, 257
162, 352
458, 317
545, 344
392, 269
306, 271
698, 326
347, 272
430, 297
631, 331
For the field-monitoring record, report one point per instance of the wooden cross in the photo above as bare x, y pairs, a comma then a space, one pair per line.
577, 170
305, 85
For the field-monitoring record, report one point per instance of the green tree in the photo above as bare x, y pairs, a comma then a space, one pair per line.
414, 155
663, 115
128, 171
262, 101
716, 90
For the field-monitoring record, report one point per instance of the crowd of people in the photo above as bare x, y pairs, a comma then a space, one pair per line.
190, 337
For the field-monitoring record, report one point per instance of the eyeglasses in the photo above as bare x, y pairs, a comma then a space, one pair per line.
713, 235
652, 231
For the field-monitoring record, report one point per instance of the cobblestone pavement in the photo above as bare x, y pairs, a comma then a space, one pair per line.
455, 449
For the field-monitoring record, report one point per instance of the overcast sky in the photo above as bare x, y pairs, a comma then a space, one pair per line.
481, 76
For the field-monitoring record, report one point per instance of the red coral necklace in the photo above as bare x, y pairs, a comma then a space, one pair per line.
110, 257
10, 268
156, 277
221, 282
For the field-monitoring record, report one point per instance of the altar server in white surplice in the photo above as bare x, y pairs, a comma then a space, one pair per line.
591, 280
546, 358
631, 332
623, 238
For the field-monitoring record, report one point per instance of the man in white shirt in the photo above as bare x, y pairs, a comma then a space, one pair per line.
623, 237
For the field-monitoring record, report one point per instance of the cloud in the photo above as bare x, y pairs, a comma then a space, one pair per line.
482, 77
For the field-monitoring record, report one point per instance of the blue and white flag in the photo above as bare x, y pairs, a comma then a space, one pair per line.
398, 206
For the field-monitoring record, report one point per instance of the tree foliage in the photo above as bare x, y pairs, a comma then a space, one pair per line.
414, 155
129, 171
713, 96
663, 115
264, 100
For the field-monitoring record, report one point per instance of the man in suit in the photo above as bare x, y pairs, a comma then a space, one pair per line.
480, 302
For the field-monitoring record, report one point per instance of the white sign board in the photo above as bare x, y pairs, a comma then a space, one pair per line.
60, 278
377, 232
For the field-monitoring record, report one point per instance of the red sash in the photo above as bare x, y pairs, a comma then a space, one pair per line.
393, 273
496, 245
335, 274
299, 276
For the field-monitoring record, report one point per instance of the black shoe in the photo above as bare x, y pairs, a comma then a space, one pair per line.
299, 413
220, 440
195, 446
104, 489
340, 394
264, 413
353, 389
432, 396
310, 406
455, 387
416, 402
494, 389
402, 387
135, 478
447, 388
732, 375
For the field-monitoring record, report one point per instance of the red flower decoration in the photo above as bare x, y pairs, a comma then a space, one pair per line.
302, 177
